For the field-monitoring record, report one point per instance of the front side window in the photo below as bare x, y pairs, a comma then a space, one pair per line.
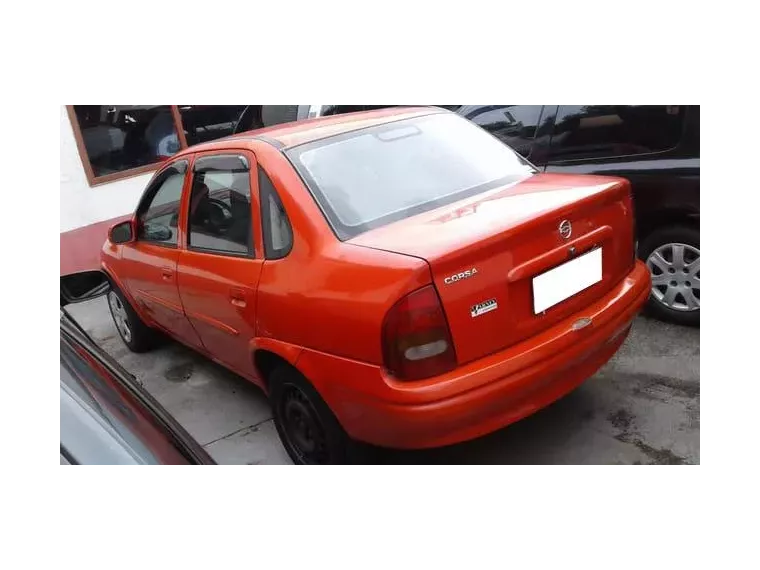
599, 131
158, 214
117, 138
220, 207
371, 177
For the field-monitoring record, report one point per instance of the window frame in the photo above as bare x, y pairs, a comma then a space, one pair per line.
209, 158
149, 194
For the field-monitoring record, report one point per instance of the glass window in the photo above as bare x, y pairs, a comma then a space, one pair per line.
514, 125
598, 131
120, 137
278, 235
367, 178
158, 215
203, 123
220, 212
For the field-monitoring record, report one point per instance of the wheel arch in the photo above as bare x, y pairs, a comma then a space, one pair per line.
666, 217
116, 283
268, 354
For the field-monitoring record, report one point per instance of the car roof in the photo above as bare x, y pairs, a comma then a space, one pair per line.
287, 135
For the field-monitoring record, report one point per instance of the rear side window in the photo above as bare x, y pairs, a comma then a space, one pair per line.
278, 233
220, 206
371, 177
514, 125
598, 131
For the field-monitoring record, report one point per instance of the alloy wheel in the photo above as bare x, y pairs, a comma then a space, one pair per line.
675, 276
120, 317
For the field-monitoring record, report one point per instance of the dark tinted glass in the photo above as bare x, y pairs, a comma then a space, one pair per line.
120, 137
514, 125
220, 212
596, 131
203, 123
340, 109
259, 116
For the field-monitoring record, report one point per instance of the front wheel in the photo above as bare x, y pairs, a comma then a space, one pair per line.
672, 255
136, 335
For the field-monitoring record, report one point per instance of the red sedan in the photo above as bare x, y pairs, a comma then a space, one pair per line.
396, 277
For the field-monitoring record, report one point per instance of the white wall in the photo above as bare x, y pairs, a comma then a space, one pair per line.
82, 205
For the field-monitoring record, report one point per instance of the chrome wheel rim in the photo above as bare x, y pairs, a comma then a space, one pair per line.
119, 314
675, 276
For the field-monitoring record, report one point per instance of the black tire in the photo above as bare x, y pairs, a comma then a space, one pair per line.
141, 337
660, 238
309, 431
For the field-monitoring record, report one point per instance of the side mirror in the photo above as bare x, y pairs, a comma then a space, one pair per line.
83, 286
122, 232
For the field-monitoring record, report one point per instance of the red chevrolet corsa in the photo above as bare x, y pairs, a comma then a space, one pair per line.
397, 277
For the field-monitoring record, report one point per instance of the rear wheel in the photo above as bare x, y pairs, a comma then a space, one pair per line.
309, 430
673, 256
136, 335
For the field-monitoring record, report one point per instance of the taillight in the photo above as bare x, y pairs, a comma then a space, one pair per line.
416, 338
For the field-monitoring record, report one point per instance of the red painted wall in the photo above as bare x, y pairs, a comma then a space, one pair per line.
80, 248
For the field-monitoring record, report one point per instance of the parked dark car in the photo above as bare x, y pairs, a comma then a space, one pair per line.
107, 418
656, 147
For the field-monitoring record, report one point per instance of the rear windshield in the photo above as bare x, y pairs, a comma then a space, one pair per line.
374, 176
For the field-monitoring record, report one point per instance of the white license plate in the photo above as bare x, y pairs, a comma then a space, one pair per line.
566, 280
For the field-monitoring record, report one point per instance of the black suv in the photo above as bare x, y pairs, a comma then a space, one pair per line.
656, 147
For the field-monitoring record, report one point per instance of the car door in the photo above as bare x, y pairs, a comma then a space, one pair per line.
220, 261
639, 142
149, 263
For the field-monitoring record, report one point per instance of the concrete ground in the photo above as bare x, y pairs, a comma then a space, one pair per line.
641, 408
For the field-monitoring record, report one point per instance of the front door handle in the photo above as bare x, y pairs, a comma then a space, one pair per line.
167, 274
237, 297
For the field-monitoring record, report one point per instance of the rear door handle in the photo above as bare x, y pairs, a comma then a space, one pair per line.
237, 297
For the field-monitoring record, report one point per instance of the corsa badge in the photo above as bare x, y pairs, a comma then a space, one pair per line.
460, 276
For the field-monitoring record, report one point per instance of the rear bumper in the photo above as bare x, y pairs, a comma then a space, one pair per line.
489, 393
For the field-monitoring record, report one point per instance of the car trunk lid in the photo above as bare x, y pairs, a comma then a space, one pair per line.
485, 252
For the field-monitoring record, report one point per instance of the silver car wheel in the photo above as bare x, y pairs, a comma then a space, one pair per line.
120, 318
675, 276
